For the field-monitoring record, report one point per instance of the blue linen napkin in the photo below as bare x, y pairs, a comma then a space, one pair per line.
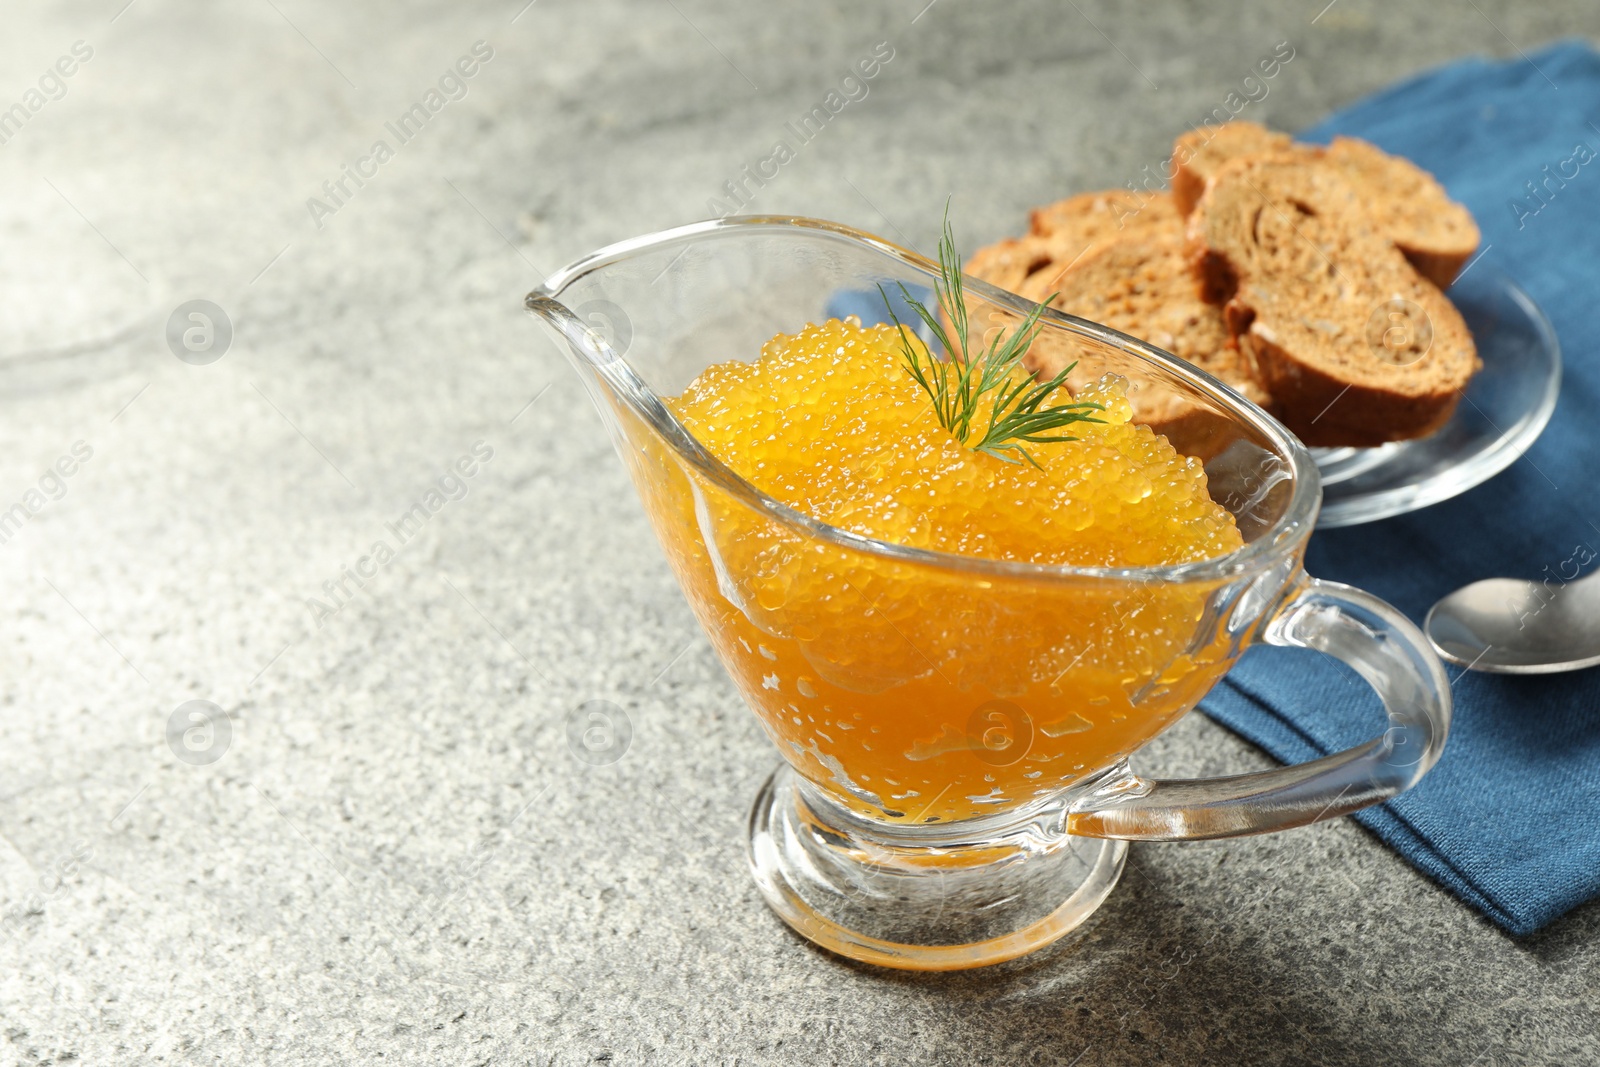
1509, 820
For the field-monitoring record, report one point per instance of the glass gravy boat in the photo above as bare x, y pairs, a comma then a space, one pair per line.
957, 729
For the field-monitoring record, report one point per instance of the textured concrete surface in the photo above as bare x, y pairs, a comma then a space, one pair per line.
385, 849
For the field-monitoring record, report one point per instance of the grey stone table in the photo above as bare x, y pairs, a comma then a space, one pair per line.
380, 846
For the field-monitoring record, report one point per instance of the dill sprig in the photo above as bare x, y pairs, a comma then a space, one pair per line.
962, 385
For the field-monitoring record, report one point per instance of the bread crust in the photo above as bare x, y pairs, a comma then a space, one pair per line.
1441, 268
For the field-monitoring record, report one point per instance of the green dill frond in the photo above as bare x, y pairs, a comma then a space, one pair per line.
962, 385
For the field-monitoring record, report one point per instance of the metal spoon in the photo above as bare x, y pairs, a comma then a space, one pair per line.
1510, 626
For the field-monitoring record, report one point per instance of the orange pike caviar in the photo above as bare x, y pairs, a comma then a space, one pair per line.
829, 422
934, 692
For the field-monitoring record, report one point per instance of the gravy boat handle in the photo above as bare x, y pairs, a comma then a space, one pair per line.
1382, 646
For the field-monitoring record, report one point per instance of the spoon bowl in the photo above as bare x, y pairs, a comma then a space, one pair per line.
1512, 626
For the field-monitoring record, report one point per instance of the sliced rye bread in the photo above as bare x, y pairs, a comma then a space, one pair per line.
1082, 220
1196, 155
1353, 344
1400, 199
1008, 263
1133, 241
1404, 201
1141, 284
1063, 231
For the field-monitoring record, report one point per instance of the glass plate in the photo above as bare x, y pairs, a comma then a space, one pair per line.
1504, 410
